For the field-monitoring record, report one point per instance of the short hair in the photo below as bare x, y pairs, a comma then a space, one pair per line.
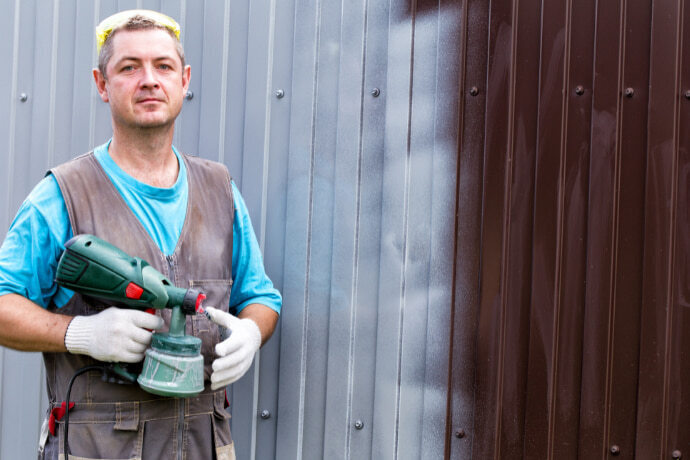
136, 22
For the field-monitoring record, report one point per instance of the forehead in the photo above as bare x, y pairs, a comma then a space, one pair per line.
143, 44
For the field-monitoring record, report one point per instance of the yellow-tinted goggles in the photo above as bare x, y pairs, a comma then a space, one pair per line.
105, 28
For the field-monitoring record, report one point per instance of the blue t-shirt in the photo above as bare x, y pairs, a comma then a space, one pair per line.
31, 251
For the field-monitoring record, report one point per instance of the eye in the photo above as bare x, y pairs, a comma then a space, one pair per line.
164, 67
127, 68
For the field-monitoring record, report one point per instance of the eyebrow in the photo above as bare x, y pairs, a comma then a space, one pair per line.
138, 59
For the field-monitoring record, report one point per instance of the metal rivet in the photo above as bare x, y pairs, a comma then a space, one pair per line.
359, 424
579, 90
629, 92
376, 92
615, 450
460, 433
189, 95
474, 91
265, 414
23, 97
687, 94
676, 454
279, 93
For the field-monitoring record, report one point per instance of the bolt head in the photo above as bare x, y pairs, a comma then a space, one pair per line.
359, 424
23, 97
189, 96
615, 450
474, 91
376, 92
676, 454
265, 414
460, 433
687, 94
280, 93
629, 92
579, 90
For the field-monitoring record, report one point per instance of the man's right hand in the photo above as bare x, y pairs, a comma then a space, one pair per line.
113, 335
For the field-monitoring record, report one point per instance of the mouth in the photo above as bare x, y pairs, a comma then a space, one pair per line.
148, 100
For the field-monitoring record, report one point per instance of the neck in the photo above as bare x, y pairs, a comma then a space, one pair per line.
148, 158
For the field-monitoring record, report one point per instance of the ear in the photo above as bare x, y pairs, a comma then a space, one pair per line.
100, 81
186, 76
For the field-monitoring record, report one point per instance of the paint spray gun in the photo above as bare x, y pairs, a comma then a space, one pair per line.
173, 365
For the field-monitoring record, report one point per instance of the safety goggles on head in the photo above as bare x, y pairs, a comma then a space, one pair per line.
106, 27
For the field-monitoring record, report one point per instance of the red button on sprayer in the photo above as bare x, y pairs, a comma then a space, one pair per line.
133, 291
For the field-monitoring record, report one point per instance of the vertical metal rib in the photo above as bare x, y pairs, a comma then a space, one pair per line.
13, 111
505, 243
450, 409
560, 224
224, 82
355, 266
53, 84
264, 199
305, 324
182, 20
11, 147
615, 214
94, 93
267, 123
405, 248
672, 235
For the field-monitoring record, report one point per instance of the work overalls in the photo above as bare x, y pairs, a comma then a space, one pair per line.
121, 421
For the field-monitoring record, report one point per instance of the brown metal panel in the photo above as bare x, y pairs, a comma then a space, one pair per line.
629, 218
574, 182
519, 157
679, 392
549, 235
508, 193
491, 338
472, 83
583, 265
659, 312
601, 231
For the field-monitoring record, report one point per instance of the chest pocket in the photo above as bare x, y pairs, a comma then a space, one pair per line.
218, 296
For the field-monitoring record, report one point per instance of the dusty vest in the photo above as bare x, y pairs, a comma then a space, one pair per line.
112, 420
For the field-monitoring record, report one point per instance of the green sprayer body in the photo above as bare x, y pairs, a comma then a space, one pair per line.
95, 268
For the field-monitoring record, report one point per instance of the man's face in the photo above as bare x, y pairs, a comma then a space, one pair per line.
145, 82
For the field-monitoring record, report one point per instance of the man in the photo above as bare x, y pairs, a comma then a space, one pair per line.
181, 214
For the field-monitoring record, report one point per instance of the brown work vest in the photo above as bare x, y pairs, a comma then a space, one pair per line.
121, 421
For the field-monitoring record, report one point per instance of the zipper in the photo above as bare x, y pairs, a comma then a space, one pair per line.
180, 428
180, 401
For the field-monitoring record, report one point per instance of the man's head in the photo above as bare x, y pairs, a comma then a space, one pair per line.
133, 20
141, 74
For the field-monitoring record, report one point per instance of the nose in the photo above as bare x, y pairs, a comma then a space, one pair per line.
148, 77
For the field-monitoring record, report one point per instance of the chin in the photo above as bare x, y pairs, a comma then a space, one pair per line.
153, 123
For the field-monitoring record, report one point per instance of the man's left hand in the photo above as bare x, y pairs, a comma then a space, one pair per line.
236, 353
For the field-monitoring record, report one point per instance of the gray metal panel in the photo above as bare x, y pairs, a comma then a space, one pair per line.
393, 298
346, 198
351, 197
295, 317
271, 233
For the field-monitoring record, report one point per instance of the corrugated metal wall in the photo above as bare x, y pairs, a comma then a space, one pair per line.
349, 178
477, 213
573, 217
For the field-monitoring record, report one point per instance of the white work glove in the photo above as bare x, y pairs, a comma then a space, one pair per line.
113, 335
236, 353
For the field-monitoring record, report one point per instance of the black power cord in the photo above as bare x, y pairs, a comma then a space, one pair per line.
69, 390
